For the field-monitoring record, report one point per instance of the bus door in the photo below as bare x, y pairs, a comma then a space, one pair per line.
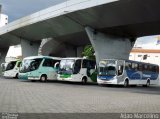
120, 70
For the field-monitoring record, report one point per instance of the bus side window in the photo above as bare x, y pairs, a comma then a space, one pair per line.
145, 67
84, 64
140, 67
77, 66
49, 62
93, 64
130, 66
155, 69
92, 67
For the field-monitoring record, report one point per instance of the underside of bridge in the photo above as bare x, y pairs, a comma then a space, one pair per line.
111, 28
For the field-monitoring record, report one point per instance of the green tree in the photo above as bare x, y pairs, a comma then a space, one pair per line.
89, 52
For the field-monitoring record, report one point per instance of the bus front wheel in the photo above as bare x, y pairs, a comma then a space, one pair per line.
147, 84
84, 80
126, 83
16, 76
43, 78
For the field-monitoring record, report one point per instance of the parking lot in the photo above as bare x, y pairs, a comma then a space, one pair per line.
18, 96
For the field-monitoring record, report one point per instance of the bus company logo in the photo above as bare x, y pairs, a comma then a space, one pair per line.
139, 116
145, 75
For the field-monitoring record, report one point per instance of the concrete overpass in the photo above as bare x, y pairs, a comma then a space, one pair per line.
111, 26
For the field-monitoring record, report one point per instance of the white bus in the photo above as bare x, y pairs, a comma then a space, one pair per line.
127, 72
11, 69
41, 68
77, 70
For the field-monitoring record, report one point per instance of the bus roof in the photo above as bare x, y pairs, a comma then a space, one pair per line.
15, 60
74, 58
47, 57
132, 61
141, 62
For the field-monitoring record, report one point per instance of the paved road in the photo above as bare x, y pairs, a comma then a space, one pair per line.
54, 97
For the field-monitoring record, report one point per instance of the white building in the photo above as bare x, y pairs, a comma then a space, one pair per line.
14, 52
145, 55
3, 20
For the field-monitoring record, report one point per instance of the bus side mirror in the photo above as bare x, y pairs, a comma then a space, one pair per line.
56, 65
119, 67
95, 67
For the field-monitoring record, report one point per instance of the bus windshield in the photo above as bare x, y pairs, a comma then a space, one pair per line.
107, 68
10, 65
30, 65
67, 66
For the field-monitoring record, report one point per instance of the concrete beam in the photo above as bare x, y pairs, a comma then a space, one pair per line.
108, 46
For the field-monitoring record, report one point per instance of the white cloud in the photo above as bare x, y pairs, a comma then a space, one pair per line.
148, 42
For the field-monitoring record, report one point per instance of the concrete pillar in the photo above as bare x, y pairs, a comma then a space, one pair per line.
3, 53
29, 48
108, 46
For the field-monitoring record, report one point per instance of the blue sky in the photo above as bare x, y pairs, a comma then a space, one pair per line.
16, 9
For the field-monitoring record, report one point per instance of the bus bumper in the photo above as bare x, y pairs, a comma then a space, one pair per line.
71, 79
113, 81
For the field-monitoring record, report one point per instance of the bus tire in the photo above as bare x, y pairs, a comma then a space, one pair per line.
126, 83
43, 78
84, 80
16, 76
147, 84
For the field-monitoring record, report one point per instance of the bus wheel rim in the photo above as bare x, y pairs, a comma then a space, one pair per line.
148, 83
125, 83
43, 78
